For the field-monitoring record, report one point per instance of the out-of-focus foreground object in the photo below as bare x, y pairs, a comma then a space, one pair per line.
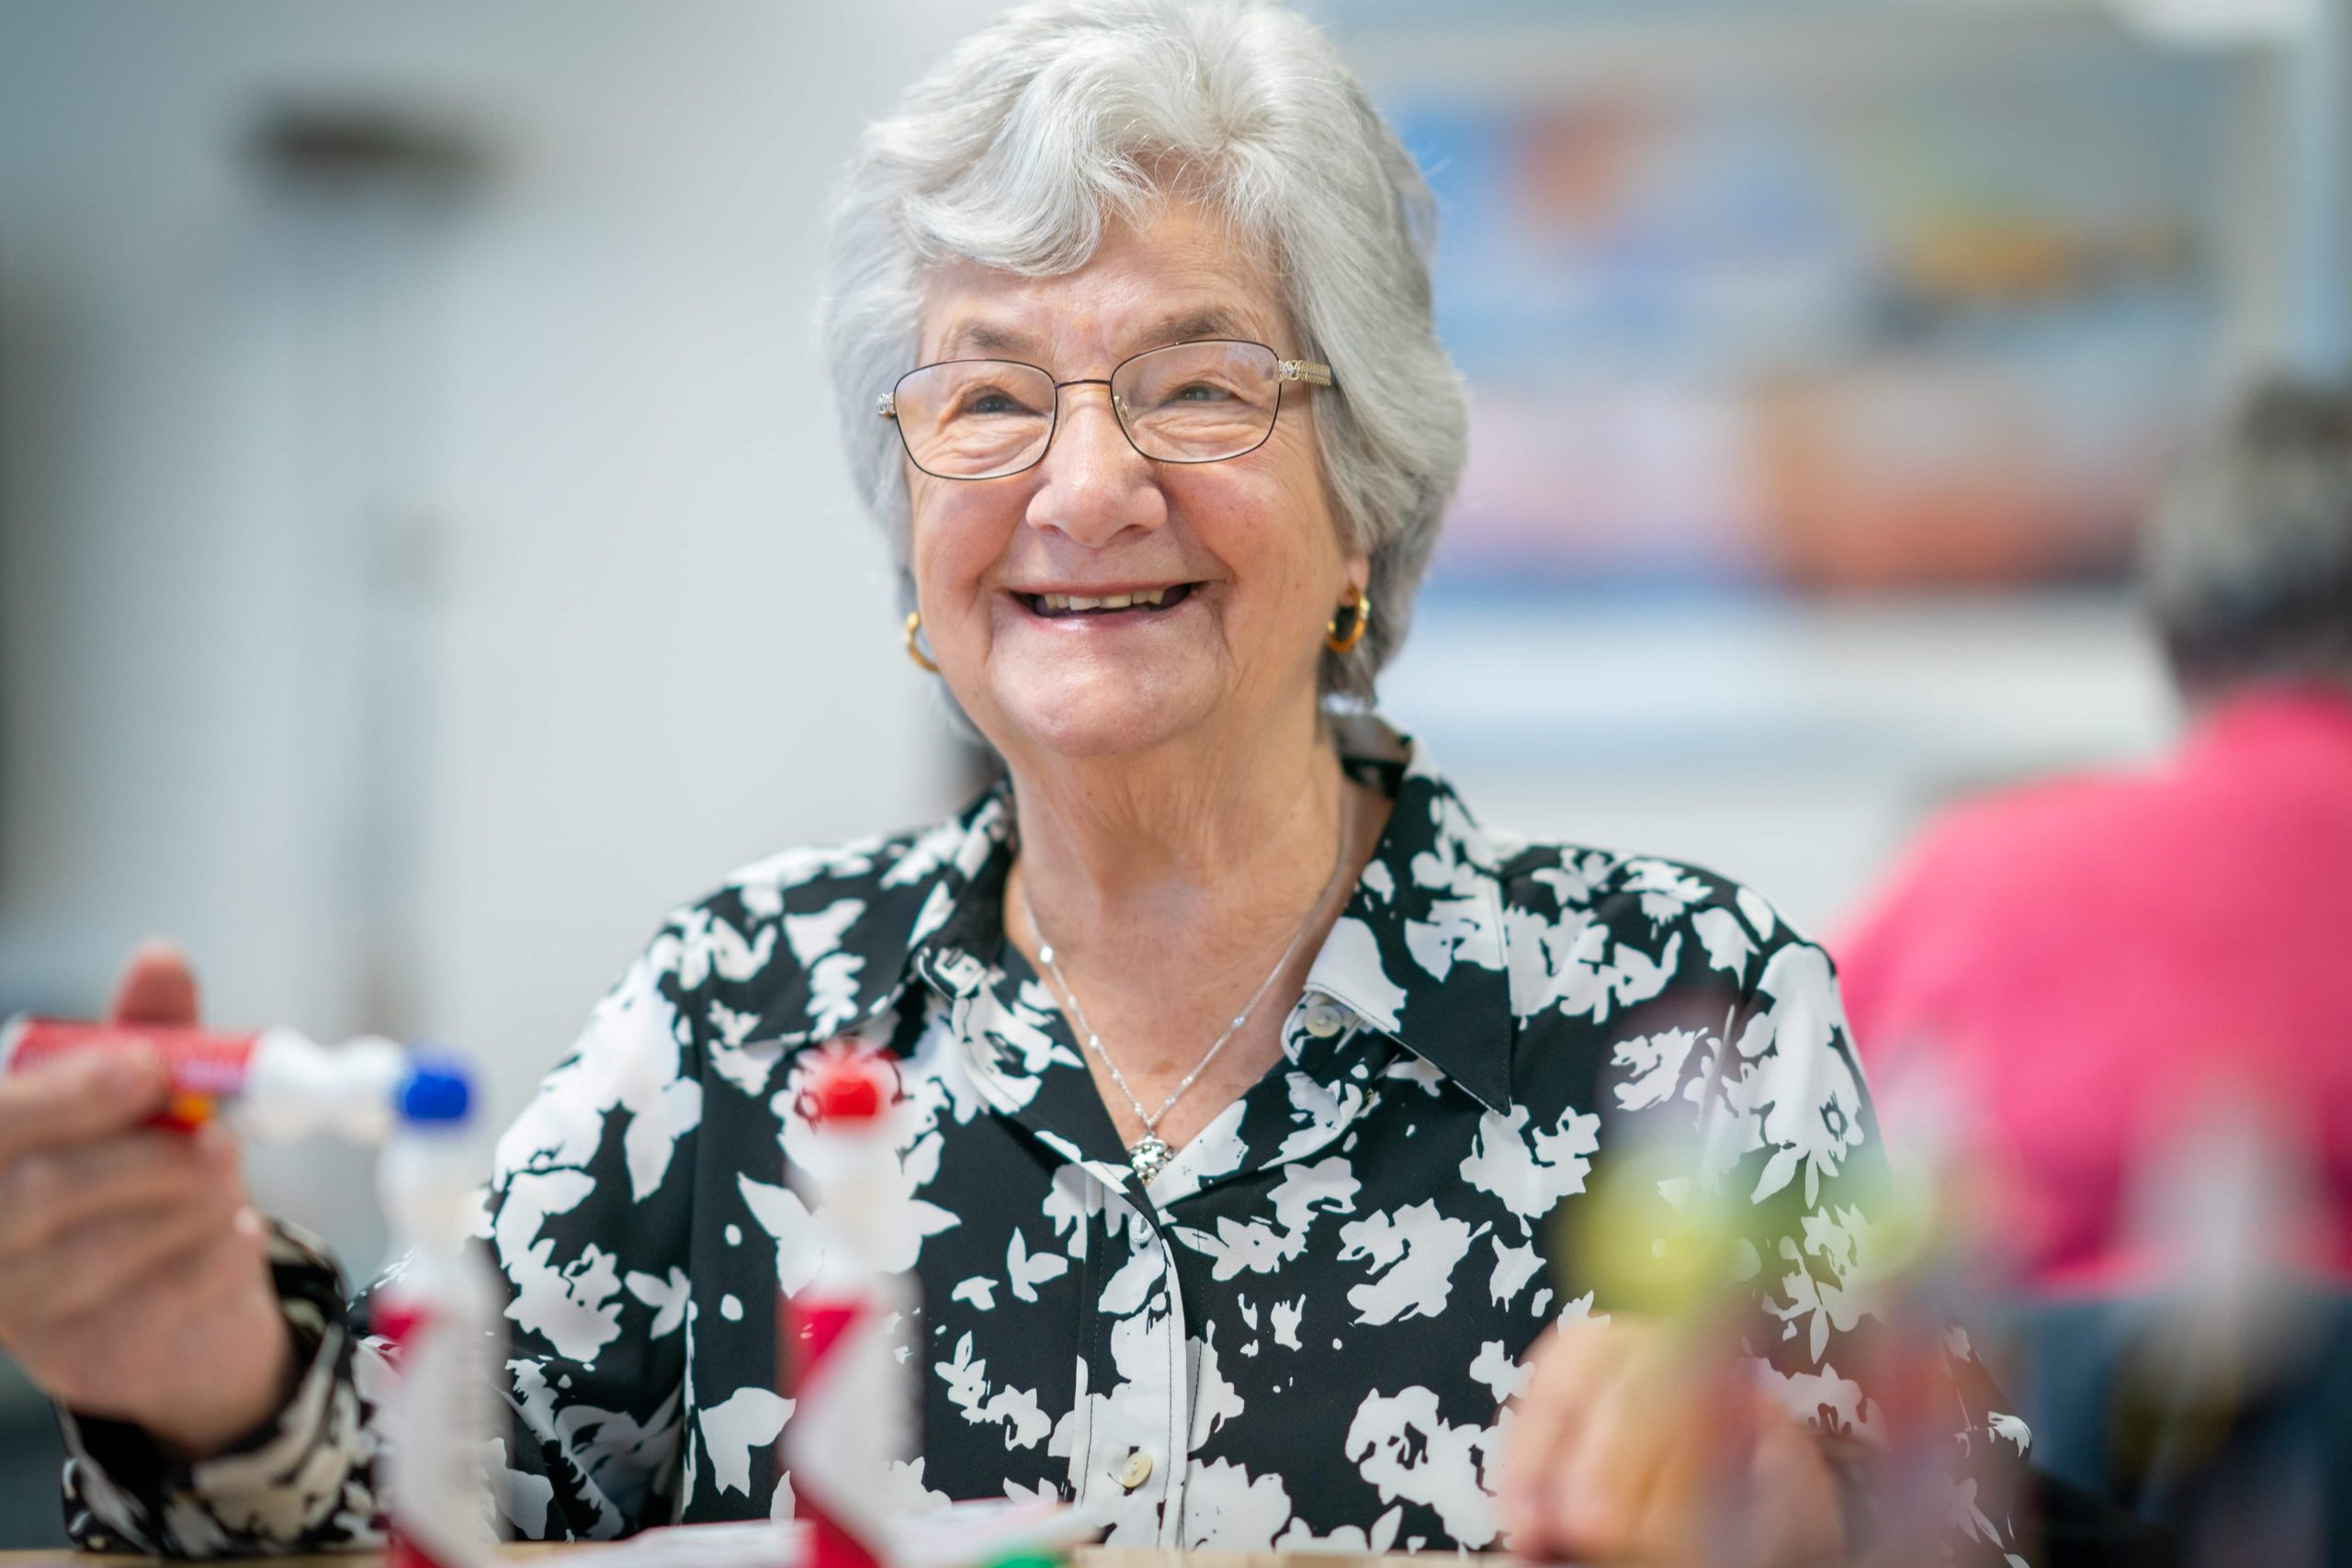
276, 1083
439, 1315
858, 1403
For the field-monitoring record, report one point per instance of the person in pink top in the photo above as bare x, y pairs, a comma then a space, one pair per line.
2105, 964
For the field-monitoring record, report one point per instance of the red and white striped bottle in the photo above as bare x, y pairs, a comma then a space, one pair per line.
855, 1410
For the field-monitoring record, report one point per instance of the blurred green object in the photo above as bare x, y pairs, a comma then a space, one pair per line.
1028, 1559
1648, 1239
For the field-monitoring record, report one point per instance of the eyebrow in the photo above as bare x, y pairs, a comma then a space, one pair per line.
982, 339
1212, 322
978, 338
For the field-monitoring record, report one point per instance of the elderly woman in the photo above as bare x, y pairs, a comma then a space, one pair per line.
1246, 1071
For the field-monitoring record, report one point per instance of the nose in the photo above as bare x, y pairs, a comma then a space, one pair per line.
1094, 485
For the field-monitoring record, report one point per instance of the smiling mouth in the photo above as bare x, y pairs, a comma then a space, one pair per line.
1069, 606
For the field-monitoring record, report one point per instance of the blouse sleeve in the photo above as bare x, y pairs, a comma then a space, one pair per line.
585, 1219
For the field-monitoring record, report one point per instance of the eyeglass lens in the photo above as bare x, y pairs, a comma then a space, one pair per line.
1190, 402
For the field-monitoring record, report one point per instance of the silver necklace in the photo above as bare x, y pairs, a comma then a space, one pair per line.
1151, 1151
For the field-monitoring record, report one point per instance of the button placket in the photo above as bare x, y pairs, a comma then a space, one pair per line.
1134, 1462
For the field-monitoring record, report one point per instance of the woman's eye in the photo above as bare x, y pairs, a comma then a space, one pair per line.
990, 401
1201, 392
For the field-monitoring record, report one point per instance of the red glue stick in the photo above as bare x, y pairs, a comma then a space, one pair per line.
270, 1083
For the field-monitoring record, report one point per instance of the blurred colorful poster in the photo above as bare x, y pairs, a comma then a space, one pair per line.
1868, 330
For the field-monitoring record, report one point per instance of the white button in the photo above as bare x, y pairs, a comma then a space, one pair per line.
1135, 1471
1323, 1020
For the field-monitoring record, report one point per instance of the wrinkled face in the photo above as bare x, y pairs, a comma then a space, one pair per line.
1243, 555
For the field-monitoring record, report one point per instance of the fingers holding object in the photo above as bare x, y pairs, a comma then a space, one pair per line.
150, 1348
79, 1098
1635, 1442
1565, 1371
155, 986
94, 1267
1601, 1474
1607, 1442
48, 1193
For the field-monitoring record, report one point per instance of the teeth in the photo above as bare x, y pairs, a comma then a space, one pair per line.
1106, 601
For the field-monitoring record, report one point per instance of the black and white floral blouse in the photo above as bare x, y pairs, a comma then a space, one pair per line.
1300, 1332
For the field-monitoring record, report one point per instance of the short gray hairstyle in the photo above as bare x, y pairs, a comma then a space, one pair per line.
2247, 567
1018, 148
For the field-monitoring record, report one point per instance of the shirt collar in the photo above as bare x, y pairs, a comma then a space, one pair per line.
1418, 954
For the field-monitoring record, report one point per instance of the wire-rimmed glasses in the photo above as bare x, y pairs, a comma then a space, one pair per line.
1187, 402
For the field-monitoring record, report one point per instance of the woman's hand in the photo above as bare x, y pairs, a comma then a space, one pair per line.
133, 1284
1628, 1446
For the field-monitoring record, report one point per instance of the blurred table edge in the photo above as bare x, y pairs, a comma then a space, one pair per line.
1081, 1557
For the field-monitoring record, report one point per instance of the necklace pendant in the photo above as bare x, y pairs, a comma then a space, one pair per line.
1148, 1156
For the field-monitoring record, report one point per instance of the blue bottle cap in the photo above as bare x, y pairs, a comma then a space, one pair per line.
439, 1089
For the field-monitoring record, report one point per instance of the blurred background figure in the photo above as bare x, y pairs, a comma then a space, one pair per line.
399, 404
2136, 981
2103, 959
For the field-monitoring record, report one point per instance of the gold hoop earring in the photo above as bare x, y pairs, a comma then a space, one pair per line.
1358, 610
914, 649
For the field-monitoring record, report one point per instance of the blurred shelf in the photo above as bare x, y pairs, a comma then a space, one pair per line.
1792, 744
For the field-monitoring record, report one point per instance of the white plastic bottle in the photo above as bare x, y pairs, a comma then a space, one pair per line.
440, 1312
272, 1083
855, 1409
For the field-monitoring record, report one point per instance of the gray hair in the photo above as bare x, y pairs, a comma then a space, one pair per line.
1018, 148
2247, 569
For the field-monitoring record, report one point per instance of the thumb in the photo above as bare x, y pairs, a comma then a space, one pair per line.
155, 987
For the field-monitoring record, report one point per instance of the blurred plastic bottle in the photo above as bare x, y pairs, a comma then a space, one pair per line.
439, 1310
855, 1410
272, 1083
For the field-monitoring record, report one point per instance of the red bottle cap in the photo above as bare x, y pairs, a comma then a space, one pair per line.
848, 1085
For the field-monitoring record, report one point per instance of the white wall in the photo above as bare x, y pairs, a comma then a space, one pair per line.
636, 633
